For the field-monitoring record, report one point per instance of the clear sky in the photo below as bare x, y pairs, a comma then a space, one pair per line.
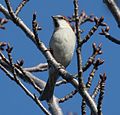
13, 101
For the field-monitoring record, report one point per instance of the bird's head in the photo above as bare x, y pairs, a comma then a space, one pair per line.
60, 22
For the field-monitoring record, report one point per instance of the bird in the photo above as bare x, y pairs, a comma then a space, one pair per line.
62, 45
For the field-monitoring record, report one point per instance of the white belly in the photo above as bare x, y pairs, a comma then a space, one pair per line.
63, 45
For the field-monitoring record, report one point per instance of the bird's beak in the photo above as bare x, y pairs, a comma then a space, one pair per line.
55, 21
53, 17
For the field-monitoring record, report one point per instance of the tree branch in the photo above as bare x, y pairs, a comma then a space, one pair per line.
102, 91
89, 82
68, 96
82, 88
112, 6
20, 6
14, 78
99, 22
105, 32
38, 68
40, 83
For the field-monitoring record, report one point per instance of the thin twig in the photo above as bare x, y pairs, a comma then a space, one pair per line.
68, 96
7, 72
82, 18
99, 22
20, 6
11, 15
96, 90
2, 45
2, 22
35, 27
96, 51
105, 32
102, 91
91, 76
38, 68
86, 18
63, 81
89, 82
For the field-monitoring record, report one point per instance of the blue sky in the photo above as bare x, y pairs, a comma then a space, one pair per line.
14, 101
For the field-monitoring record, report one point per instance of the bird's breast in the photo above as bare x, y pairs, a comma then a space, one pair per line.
62, 45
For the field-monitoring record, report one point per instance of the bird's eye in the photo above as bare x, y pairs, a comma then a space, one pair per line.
61, 17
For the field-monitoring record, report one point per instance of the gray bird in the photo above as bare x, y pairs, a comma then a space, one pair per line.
62, 45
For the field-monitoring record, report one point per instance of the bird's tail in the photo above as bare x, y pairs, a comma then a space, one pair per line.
47, 94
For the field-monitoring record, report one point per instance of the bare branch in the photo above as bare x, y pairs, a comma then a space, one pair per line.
96, 90
81, 88
20, 6
7, 72
82, 18
68, 96
35, 27
9, 50
2, 45
99, 22
38, 68
105, 32
112, 6
2, 22
30, 80
78, 51
89, 82
86, 18
14, 78
101, 96
91, 76
63, 81
40, 83
96, 51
